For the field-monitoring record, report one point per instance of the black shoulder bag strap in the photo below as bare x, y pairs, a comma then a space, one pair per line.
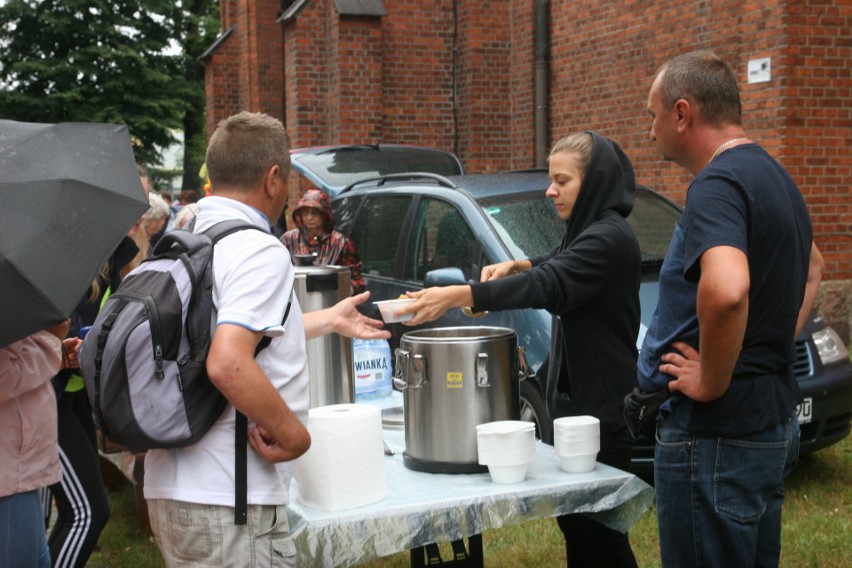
216, 233
241, 445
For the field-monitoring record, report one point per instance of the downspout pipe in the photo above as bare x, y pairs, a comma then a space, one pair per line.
541, 82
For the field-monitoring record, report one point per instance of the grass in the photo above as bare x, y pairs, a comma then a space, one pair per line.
815, 533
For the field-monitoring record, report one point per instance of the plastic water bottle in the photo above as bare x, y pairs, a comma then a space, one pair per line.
372, 368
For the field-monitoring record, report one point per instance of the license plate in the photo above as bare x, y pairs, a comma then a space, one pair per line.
805, 410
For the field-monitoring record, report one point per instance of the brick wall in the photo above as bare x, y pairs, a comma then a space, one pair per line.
459, 76
246, 72
221, 91
521, 97
417, 61
306, 56
606, 54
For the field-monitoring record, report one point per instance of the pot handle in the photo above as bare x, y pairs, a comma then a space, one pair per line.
482, 370
402, 370
401, 357
523, 368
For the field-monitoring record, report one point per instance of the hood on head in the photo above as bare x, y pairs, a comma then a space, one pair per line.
609, 183
315, 199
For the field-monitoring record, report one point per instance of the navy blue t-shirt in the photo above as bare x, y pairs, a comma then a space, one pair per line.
743, 199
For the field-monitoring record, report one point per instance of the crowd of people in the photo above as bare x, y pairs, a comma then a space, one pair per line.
737, 283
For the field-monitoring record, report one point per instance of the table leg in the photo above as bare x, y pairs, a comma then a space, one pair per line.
429, 555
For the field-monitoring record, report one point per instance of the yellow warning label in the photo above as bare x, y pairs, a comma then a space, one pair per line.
455, 380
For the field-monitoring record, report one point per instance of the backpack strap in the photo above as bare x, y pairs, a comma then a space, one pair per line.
222, 229
99, 355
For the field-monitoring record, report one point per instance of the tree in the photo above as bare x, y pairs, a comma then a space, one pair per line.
197, 29
116, 61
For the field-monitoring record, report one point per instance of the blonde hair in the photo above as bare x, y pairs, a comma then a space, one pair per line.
580, 144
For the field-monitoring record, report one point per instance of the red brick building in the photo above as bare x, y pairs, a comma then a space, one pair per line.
461, 75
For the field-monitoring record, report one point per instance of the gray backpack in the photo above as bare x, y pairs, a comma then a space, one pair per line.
144, 360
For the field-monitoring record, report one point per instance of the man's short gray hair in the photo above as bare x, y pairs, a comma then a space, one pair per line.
704, 79
244, 147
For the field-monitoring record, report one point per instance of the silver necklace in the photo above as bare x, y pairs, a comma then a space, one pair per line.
724, 145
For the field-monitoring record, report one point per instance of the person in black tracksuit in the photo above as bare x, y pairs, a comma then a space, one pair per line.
81, 500
591, 280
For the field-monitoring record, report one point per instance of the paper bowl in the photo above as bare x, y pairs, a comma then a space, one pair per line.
581, 463
577, 449
388, 307
508, 473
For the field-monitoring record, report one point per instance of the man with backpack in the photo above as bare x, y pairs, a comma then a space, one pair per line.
191, 490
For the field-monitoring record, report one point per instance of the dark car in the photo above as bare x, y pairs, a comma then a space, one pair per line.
415, 231
331, 168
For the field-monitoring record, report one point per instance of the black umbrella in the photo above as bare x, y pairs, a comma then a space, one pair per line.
68, 194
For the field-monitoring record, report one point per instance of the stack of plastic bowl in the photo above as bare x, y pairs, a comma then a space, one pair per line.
507, 447
577, 441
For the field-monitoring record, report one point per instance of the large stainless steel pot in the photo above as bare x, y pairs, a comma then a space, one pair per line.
453, 379
329, 356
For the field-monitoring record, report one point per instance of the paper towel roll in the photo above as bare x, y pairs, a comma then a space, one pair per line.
344, 468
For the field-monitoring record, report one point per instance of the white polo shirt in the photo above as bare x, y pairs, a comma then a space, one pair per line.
253, 281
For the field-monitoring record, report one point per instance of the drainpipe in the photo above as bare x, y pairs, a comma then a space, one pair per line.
541, 86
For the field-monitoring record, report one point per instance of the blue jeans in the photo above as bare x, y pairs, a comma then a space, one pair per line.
719, 499
22, 538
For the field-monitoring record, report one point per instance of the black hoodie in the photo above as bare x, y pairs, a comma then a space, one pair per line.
591, 280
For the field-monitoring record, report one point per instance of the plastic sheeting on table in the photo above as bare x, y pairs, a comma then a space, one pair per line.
423, 508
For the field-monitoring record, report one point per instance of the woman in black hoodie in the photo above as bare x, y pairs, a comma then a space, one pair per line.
591, 280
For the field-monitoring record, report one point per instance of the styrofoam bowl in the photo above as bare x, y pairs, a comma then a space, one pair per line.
505, 427
581, 420
577, 425
508, 473
388, 307
506, 458
505, 442
582, 463
578, 447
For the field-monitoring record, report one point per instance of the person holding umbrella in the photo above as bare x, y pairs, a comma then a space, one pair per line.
70, 192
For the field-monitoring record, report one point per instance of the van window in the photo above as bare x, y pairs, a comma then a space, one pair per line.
378, 231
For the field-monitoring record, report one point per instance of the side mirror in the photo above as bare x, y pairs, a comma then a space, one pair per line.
444, 277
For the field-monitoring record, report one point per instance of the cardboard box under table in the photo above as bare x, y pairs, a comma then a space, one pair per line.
425, 508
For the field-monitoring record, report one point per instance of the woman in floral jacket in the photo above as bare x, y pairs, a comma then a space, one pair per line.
315, 234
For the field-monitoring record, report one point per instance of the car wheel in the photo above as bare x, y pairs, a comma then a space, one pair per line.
534, 410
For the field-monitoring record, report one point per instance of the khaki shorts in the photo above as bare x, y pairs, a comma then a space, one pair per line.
193, 535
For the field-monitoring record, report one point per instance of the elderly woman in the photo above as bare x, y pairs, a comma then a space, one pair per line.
315, 234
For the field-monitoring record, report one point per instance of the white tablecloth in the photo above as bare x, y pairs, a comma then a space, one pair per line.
423, 508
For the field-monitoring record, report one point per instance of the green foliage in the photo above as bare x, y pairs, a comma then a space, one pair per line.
196, 26
115, 61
